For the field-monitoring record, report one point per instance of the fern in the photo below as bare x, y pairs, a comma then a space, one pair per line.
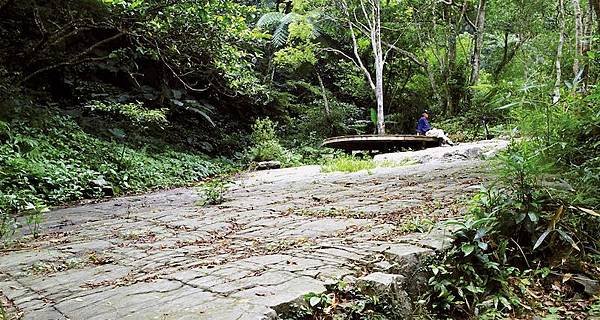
279, 23
281, 35
270, 20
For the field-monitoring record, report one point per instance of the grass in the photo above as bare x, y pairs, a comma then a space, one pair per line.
350, 164
347, 164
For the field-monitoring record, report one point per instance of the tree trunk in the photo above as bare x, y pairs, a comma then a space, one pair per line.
578, 41
595, 4
324, 93
476, 57
434, 87
379, 63
588, 32
451, 103
507, 55
561, 41
373, 23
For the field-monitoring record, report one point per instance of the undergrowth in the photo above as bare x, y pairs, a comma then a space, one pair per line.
47, 159
346, 300
348, 164
531, 240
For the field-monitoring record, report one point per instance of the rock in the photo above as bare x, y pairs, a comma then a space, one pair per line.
100, 183
108, 191
461, 152
380, 284
268, 165
591, 287
261, 252
103, 185
383, 266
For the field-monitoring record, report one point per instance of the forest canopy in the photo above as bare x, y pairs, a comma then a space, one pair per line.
317, 60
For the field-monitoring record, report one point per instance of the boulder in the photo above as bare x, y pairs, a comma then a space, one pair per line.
268, 165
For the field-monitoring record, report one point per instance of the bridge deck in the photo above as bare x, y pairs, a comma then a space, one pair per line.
381, 143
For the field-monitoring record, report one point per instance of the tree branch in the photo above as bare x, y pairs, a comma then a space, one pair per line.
75, 60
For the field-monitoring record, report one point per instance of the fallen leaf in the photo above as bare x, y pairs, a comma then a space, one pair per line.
588, 211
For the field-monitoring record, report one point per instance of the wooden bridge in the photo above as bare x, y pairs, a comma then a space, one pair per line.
381, 143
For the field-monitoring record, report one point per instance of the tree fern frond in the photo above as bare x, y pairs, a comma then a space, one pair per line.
281, 34
316, 32
315, 14
270, 20
291, 17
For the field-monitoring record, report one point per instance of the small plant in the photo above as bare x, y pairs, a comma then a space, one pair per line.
15, 209
135, 112
266, 145
214, 191
348, 164
345, 301
594, 311
397, 164
417, 224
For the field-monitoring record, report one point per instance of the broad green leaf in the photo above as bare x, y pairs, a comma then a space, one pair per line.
467, 248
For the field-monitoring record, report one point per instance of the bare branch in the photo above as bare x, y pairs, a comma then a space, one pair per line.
342, 54
367, 17
76, 59
185, 84
358, 60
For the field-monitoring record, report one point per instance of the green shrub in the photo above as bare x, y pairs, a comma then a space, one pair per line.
135, 112
543, 207
266, 145
346, 301
214, 190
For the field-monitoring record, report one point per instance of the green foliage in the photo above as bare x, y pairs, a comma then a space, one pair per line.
46, 159
345, 301
135, 112
266, 145
595, 310
542, 209
345, 163
312, 123
292, 26
292, 58
214, 190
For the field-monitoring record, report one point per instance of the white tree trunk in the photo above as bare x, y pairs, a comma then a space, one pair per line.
561, 41
476, 58
371, 27
379, 63
324, 94
578, 40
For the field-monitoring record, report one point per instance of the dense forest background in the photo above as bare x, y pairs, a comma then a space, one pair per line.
211, 67
100, 98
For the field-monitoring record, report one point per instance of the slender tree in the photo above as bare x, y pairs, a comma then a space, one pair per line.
559, 51
365, 19
578, 40
479, 32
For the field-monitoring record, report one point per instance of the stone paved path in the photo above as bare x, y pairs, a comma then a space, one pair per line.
280, 234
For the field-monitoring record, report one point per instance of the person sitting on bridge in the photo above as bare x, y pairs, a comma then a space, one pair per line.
424, 128
423, 125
